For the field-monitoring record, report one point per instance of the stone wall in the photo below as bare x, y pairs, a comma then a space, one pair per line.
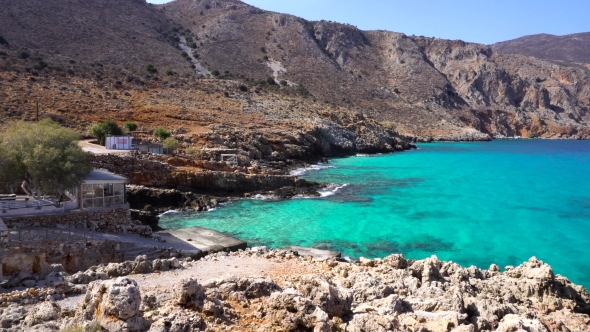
37, 257
111, 221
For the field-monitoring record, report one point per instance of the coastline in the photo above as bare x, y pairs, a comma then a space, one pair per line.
282, 290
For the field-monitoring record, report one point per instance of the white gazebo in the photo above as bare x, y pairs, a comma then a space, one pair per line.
102, 189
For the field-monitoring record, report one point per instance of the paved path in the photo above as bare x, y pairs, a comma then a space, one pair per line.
98, 149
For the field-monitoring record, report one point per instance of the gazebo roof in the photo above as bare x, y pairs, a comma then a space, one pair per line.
102, 175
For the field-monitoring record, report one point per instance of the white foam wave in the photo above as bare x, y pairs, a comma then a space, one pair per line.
168, 212
317, 167
331, 189
265, 197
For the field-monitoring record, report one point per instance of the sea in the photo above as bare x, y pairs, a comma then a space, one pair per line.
474, 203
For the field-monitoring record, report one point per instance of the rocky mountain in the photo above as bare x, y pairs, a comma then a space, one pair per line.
574, 48
422, 87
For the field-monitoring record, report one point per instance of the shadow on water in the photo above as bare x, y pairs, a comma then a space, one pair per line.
336, 244
382, 248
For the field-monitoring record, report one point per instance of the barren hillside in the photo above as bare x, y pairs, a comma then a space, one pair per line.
423, 86
574, 48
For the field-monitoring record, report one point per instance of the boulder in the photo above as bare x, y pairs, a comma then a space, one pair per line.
43, 312
333, 300
114, 304
289, 310
189, 293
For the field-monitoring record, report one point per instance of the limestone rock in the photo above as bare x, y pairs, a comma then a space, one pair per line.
189, 293
515, 323
290, 311
43, 312
333, 300
114, 304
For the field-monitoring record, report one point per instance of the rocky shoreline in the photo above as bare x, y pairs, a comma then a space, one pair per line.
260, 289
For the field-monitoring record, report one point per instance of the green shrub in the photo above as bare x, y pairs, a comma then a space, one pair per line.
390, 125
105, 128
170, 72
283, 82
396, 90
263, 50
215, 72
150, 68
270, 80
162, 133
533, 134
265, 58
196, 54
131, 126
184, 54
171, 144
195, 152
243, 88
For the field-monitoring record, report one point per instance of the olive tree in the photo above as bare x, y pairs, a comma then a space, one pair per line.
45, 155
105, 128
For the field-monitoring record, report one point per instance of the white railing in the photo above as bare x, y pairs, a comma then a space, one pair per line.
9, 205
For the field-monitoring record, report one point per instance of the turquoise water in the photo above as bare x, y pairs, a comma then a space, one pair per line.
473, 203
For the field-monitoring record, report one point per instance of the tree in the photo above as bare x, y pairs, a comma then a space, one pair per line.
131, 126
161, 133
171, 144
105, 128
45, 155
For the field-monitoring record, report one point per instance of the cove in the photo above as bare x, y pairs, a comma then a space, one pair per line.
473, 203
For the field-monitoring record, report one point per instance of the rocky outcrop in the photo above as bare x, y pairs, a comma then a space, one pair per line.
157, 174
390, 294
114, 304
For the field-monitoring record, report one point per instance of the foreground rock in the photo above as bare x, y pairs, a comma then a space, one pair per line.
311, 294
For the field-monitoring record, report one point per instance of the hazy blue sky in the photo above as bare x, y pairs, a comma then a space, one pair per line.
482, 21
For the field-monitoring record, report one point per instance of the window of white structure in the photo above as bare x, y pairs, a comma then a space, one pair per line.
103, 194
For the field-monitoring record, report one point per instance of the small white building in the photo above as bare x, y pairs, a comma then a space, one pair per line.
119, 143
103, 189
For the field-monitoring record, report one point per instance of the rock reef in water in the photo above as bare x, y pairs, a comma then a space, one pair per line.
305, 294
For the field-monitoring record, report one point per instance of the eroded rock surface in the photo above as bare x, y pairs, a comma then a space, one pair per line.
306, 294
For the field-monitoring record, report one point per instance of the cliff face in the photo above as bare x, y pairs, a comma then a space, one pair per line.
157, 174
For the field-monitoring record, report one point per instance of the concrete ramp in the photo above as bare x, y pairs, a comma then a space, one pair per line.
204, 239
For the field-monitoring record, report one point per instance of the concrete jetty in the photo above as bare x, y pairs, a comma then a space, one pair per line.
204, 239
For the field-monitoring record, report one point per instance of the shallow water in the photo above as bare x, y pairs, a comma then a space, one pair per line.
473, 203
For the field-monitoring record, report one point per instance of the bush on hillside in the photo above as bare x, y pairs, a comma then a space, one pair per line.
150, 68
131, 126
105, 128
171, 144
162, 133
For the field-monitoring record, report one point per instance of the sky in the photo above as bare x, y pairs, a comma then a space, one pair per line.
480, 21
